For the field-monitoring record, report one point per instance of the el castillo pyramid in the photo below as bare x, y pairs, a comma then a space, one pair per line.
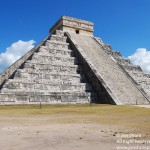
73, 66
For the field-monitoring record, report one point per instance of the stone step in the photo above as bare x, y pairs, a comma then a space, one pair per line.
51, 68
56, 62
50, 76
58, 38
43, 92
145, 87
147, 90
135, 73
54, 71
144, 82
123, 61
116, 54
50, 87
52, 59
56, 45
147, 74
140, 79
43, 50
36, 91
42, 81
140, 75
131, 67
52, 52
49, 55
53, 98
60, 32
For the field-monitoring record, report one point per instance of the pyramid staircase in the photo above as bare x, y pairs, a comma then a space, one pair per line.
134, 72
51, 75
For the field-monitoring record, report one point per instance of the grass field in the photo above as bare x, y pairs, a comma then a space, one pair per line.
131, 118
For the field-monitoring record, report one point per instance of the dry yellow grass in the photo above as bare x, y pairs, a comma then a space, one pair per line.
129, 118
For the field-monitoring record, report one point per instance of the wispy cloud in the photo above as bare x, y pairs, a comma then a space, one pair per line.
141, 57
14, 52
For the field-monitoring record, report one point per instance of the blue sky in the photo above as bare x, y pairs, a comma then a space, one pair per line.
125, 24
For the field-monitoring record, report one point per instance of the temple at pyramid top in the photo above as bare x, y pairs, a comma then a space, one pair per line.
70, 24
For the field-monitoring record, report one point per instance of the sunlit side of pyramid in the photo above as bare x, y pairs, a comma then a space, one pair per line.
73, 66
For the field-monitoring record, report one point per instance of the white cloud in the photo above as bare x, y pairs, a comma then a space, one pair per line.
14, 52
141, 57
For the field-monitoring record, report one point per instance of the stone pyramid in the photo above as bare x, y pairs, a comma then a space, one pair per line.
73, 66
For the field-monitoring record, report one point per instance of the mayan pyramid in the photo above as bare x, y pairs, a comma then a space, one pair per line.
72, 66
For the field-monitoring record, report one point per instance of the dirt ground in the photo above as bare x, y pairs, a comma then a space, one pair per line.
67, 130
40, 134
